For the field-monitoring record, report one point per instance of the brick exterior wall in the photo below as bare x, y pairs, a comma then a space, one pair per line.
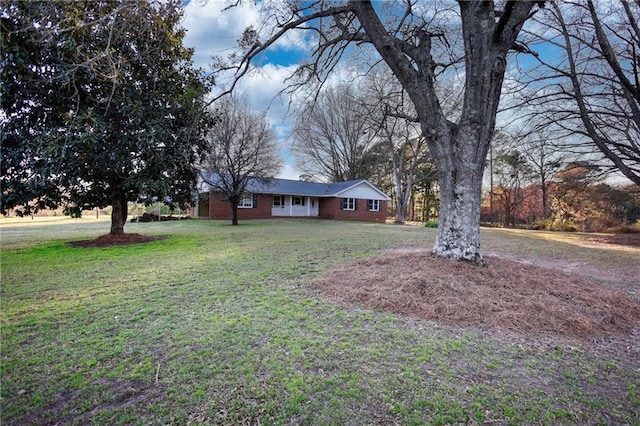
219, 208
329, 208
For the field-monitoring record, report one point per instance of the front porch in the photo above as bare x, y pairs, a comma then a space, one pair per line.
294, 206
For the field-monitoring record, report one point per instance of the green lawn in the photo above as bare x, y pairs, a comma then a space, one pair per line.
216, 325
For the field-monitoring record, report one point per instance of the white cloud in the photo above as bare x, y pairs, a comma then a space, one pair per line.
213, 27
289, 172
263, 84
211, 30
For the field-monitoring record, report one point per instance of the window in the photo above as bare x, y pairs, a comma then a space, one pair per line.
278, 201
246, 201
297, 201
373, 205
348, 204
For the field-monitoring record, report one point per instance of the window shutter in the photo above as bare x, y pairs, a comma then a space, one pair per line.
355, 204
255, 201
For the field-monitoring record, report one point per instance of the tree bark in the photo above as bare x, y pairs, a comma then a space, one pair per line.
460, 180
545, 196
234, 210
401, 214
404, 194
119, 210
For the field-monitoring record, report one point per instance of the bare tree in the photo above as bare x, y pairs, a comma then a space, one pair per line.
513, 174
588, 83
419, 48
392, 118
574, 200
545, 157
406, 154
332, 139
537, 145
241, 147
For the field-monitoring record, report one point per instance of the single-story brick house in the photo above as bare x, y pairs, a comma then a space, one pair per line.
352, 200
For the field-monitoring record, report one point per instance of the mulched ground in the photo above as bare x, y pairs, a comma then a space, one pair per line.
115, 240
506, 294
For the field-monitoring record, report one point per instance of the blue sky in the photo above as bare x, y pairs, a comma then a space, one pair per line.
211, 30
214, 31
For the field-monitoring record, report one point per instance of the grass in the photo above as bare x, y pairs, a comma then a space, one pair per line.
217, 325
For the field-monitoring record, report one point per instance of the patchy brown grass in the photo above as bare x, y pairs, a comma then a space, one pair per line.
631, 240
507, 294
115, 240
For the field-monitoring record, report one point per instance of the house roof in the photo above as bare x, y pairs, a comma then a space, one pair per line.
287, 187
278, 186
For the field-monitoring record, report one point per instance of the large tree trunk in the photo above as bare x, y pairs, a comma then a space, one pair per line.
401, 212
403, 194
460, 179
119, 210
545, 197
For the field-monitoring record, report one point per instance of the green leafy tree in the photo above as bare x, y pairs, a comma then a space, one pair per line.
101, 106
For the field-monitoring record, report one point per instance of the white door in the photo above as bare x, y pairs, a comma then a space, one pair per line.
314, 204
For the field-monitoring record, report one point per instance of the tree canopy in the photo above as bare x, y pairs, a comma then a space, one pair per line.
101, 105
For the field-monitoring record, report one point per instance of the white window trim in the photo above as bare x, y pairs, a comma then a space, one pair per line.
349, 201
246, 201
375, 204
282, 202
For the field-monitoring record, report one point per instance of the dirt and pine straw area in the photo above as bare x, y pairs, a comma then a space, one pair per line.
507, 294
116, 240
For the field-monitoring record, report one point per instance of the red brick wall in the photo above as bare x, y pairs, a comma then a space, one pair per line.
220, 208
330, 209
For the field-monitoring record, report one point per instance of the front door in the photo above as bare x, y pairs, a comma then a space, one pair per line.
313, 207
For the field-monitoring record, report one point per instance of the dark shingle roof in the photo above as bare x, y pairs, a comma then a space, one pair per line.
288, 187
297, 187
